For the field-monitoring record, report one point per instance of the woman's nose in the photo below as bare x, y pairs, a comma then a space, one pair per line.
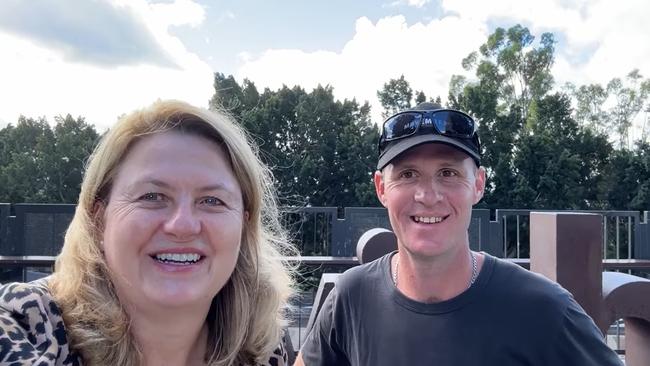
183, 223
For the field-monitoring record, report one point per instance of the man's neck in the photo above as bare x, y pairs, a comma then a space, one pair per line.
433, 280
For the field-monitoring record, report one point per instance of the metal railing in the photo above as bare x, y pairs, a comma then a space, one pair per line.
32, 267
38, 229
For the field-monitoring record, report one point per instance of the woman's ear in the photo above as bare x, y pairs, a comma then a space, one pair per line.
98, 216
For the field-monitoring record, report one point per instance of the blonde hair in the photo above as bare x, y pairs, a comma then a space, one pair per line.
246, 317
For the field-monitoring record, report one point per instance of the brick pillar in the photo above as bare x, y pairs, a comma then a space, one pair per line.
567, 249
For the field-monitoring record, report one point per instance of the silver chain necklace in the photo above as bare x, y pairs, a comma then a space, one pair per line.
471, 280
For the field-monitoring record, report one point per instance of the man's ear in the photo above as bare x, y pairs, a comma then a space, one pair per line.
479, 184
379, 186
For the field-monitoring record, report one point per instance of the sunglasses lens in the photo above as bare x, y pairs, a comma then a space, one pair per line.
453, 124
404, 124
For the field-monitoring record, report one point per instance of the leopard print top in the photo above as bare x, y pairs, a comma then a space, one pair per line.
32, 330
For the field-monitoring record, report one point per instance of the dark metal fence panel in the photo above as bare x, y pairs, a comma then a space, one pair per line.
642, 237
484, 234
357, 221
7, 245
39, 229
311, 228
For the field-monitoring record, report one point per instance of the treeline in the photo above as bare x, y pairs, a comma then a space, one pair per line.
543, 148
44, 164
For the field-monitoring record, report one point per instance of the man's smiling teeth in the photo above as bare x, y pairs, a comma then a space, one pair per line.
427, 220
177, 258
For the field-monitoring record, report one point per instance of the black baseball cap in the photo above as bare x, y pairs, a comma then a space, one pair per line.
428, 123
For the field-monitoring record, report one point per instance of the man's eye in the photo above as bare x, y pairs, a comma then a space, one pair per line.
407, 174
448, 173
212, 201
152, 196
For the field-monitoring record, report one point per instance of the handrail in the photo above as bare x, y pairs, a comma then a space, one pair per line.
48, 261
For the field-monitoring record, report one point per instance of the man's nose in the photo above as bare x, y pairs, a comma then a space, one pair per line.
183, 222
428, 192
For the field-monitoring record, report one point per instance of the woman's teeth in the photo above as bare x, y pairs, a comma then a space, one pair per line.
177, 258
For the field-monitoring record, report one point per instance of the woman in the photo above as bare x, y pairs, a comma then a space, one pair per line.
173, 256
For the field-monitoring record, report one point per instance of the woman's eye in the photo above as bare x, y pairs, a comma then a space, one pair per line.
152, 196
212, 201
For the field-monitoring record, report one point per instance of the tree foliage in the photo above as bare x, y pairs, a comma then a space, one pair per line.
541, 148
321, 151
397, 95
513, 69
41, 164
538, 153
611, 109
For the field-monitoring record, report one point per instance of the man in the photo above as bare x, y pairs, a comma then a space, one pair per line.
435, 302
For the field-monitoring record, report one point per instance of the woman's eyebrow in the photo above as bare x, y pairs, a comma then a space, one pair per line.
217, 186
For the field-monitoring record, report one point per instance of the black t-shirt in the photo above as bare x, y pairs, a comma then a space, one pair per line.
510, 316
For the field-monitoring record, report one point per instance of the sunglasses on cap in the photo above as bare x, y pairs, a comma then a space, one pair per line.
443, 122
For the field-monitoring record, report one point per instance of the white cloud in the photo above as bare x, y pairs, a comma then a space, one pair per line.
414, 3
602, 39
417, 3
597, 41
180, 12
39, 82
426, 53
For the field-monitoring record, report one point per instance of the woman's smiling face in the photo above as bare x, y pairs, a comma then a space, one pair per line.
173, 221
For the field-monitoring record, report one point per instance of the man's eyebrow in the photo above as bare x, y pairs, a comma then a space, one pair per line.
447, 161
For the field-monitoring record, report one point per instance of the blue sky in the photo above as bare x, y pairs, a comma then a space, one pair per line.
255, 26
103, 58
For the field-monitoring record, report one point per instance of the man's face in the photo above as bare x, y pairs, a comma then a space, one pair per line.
429, 192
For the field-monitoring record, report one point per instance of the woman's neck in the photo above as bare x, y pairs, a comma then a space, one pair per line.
176, 338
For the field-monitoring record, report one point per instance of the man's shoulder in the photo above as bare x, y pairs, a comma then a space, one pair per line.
364, 274
524, 280
525, 289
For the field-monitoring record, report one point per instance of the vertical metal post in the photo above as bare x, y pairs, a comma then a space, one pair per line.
604, 237
618, 245
629, 237
518, 243
505, 236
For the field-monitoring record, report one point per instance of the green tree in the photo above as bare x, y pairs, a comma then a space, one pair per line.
628, 175
44, 165
630, 96
519, 72
396, 95
25, 147
321, 150
589, 109
536, 155
420, 97
560, 164
74, 142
